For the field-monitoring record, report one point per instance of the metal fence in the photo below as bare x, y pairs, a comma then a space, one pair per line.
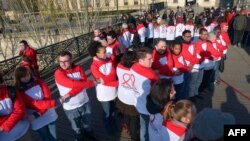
46, 56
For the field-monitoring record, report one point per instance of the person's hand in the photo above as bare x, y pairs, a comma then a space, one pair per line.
64, 98
96, 82
1, 129
190, 66
100, 80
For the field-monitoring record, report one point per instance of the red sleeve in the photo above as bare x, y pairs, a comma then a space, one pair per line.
215, 53
16, 115
226, 38
220, 47
108, 79
75, 85
31, 53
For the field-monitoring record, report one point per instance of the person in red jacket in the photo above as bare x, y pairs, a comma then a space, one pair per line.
114, 49
40, 106
104, 72
13, 126
26, 50
72, 83
179, 68
162, 63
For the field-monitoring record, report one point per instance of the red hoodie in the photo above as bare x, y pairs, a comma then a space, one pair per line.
31, 54
189, 54
62, 77
38, 97
7, 122
163, 63
104, 69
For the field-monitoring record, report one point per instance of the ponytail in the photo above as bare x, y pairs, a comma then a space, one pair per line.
168, 110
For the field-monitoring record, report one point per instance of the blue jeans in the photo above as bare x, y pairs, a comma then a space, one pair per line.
80, 118
216, 71
48, 132
109, 116
144, 122
195, 81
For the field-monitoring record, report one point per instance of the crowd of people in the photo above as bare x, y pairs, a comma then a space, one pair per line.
150, 70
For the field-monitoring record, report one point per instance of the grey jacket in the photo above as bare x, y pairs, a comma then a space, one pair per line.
240, 22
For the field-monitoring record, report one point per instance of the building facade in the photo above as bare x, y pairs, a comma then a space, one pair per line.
110, 5
136, 4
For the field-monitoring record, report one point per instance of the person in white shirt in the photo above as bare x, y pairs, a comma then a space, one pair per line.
126, 95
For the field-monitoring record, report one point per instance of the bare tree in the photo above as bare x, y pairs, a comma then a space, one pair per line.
44, 22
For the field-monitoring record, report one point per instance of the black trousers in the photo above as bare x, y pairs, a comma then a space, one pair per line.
238, 35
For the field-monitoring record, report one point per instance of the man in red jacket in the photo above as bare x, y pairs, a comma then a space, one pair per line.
29, 52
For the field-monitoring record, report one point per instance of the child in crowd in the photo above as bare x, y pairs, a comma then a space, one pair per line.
161, 93
177, 117
179, 67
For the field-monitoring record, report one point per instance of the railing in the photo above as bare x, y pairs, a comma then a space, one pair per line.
46, 56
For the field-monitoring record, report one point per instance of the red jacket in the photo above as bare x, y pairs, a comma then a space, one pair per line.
162, 63
225, 38
219, 46
114, 49
40, 105
31, 53
7, 122
76, 86
189, 54
104, 69
179, 63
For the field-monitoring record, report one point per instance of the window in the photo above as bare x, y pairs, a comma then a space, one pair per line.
175, 1
106, 2
136, 2
125, 2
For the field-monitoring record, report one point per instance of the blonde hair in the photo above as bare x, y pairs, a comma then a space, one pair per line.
178, 110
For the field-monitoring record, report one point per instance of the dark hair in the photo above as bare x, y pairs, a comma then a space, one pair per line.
142, 52
24, 42
1, 78
65, 53
94, 47
18, 74
176, 43
159, 95
128, 59
160, 40
202, 30
112, 34
185, 32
